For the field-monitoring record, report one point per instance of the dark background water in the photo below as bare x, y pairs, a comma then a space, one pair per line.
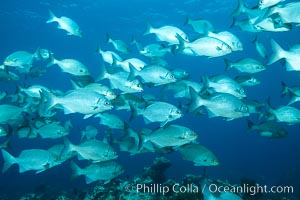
241, 154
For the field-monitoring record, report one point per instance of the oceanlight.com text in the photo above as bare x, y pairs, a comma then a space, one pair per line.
250, 189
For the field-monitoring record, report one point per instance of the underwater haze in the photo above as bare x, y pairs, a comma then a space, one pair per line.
209, 87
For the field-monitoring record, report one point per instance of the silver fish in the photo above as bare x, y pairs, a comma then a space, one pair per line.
89, 133
224, 84
119, 80
110, 120
230, 39
21, 60
153, 74
167, 33
157, 112
70, 66
94, 150
220, 105
29, 159
204, 46
247, 65
168, 136
247, 80
260, 48
201, 26
53, 130
108, 56
198, 154
104, 171
287, 114
10, 112
77, 101
268, 129
65, 23
119, 45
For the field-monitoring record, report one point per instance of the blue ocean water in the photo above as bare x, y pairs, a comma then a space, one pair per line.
241, 154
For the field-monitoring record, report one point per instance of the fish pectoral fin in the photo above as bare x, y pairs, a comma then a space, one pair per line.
22, 169
88, 180
80, 157
87, 116
59, 26
211, 114
113, 85
218, 48
162, 77
147, 121
68, 111
164, 123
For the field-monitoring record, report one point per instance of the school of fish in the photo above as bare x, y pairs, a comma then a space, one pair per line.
35, 111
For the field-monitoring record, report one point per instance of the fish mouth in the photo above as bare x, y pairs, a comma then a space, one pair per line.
6, 62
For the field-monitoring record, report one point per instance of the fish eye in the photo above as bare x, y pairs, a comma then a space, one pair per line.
106, 103
81, 70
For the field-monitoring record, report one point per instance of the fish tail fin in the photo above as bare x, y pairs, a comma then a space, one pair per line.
234, 22
115, 61
269, 109
293, 100
6, 144
149, 29
76, 170
132, 72
136, 43
240, 9
196, 100
69, 147
135, 111
52, 17
228, 64
98, 50
48, 100
187, 20
278, 52
68, 125
255, 40
102, 75
53, 61
182, 43
130, 141
9, 160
